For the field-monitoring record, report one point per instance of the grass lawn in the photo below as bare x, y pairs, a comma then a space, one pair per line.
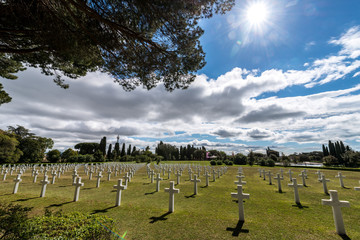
212, 214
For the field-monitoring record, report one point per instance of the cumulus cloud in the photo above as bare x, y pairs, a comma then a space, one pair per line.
229, 107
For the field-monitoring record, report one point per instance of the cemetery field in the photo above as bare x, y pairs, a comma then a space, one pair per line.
211, 214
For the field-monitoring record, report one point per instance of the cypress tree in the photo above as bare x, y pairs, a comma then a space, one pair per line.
325, 150
332, 149
117, 149
133, 151
109, 153
342, 146
102, 146
123, 153
129, 150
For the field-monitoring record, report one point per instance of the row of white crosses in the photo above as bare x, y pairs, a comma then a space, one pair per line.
240, 196
334, 201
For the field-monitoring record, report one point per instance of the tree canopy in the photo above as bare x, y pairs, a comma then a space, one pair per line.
136, 42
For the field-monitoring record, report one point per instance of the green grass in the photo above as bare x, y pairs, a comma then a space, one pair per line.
209, 215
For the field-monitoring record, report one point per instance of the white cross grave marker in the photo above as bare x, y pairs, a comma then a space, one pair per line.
240, 196
171, 192
44, 182
152, 176
36, 173
279, 178
177, 174
207, 175
99, 176
323, 180
118, 188
290, 175
195, 180
127, 178
158, 179
17, 181
296, 191
77, 185
53, 174
240, 181
303, 176
340, 176
336, 208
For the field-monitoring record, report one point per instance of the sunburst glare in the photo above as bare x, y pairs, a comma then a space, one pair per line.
257, 15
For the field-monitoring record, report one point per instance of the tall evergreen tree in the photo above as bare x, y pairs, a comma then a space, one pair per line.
342, 146
117, 149
123, 152
102, 146
109, 152
332, 149
129, 150
133, 151
325, 150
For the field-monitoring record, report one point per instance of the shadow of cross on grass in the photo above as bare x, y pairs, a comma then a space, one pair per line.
299, 205
102, 210
238, 229
161, 218
345, 237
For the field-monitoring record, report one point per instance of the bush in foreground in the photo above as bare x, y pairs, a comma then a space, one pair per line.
15, 224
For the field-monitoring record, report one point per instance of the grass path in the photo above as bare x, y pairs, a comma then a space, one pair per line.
212, 214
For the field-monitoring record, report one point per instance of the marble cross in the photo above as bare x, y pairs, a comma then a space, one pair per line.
158, 179
127, 178
195, 180
323, 180
336, 208
77, 185
303, 177
290, 175
53, 174
340, 176
177, 174
36, 173
99, 176
17, 181
279, 178
240, 182
240, 196
207, 175
44, 182
152, 176
118, 188
171, 192
296, 191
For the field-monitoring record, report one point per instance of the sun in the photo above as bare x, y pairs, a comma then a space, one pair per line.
257, 14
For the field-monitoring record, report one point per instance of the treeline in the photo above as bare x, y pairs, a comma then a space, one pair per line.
337, 154
102, 152
19, 145
171, 152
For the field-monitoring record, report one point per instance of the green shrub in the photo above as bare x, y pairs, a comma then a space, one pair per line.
212, 162
262, 162
270, 163
13, 222
240, 159
230, 163
70, 226
219, 162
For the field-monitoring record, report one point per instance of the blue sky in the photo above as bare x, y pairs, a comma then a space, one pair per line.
287, 78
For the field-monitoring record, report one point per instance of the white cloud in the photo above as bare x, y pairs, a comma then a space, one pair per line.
229, 107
